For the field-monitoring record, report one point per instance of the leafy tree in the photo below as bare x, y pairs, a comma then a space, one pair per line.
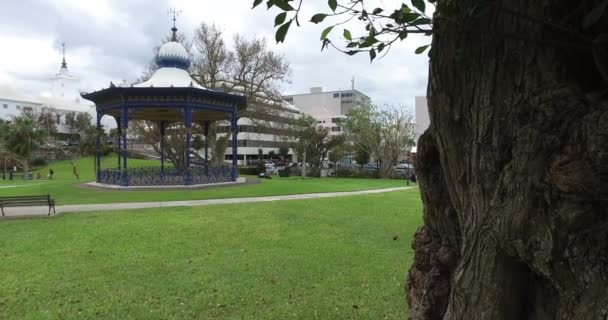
46, 119
21, 137
283, 152
315, 141
198, 142
79, 123
513, 172
272, 155
362, 157
386, 134
219, 150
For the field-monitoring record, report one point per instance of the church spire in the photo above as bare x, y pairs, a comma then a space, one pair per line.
64, 64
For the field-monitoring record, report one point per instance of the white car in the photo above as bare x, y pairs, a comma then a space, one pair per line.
270, 168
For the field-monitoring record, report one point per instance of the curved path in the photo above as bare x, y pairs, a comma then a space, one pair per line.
42, 211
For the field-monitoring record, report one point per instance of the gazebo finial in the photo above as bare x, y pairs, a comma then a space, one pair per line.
174, 29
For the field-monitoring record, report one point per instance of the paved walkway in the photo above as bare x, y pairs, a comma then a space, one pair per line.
42, 211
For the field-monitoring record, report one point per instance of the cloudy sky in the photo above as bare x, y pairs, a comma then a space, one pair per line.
110, 40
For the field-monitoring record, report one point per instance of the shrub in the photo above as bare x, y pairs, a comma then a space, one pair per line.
356, 173
105, 149
38, 162
284, 173
248, 171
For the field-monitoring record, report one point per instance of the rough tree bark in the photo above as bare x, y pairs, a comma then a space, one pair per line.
513, 169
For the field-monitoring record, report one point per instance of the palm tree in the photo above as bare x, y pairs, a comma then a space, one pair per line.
21, 137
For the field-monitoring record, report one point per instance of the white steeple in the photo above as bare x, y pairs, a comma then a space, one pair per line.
63, 84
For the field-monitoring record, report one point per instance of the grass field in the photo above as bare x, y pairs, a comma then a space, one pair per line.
64, 187
310, 259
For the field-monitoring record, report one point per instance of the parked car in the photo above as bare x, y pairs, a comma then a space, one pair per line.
404, 167
270, 168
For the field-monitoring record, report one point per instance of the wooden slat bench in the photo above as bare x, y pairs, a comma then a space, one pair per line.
27, 201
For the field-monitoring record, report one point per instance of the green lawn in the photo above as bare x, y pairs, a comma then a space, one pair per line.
65, 190
309, 259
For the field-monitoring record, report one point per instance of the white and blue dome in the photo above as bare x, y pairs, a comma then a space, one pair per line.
173, 55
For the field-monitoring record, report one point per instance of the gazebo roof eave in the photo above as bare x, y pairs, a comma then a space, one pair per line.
120, 94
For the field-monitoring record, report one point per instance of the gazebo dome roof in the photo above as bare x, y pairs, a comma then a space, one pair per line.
173, 54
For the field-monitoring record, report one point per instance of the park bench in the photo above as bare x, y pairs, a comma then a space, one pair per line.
27, 201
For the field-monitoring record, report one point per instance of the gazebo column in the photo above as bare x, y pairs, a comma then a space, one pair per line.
125, 125
234, 128
162, 146
98, 148
206, 132
119, 136
188, 123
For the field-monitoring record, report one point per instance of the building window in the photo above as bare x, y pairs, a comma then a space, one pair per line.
58, 119
5, 106
336, 95
18, 107
289, 99
335, 120
336, 129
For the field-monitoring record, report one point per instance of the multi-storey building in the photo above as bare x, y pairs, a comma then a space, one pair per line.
328, 107
269, 133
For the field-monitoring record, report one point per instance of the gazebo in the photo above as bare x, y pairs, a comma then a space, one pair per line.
169, 97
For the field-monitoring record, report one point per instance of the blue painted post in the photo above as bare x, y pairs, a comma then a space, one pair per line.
98, 148
206, 148
118, 125
162, 147
234, 145
125, 125
188, 123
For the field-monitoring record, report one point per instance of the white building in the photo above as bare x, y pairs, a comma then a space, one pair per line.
65, 98
267, 134
328, 107
422, 118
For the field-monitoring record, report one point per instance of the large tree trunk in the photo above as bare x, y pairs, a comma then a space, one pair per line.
513, 169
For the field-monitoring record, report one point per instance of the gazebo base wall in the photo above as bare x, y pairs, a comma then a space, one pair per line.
155, 176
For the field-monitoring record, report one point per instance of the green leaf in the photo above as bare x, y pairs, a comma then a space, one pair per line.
421, 49
347, 35
381, 47
352, 52
282, 32
256, 3
594, 16
326, 32
283, 5
403, 34
420, 21
419, 4
372, 55
280, 18
333, 4
377, 11
319, 17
